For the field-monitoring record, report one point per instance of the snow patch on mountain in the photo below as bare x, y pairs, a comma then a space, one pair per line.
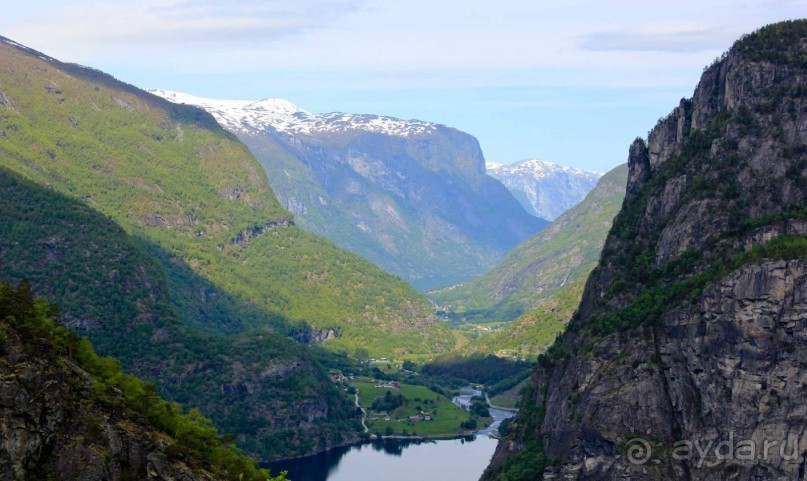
248, 116
545, 189
492, 165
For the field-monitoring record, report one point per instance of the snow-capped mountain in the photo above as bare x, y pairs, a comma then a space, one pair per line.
409, 195
545, 189
249, 116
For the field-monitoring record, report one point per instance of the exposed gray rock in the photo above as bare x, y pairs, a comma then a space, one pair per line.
723, 175
6, 101
53, 429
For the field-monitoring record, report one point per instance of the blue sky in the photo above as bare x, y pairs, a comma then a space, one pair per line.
571, 81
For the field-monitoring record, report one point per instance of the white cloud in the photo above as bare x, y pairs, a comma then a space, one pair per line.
662, 37
474, 63
394, 44
105, 25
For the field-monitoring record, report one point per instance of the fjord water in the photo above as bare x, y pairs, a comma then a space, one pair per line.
462, 459
396, 460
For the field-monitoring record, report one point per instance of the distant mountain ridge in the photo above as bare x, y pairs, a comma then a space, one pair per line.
247, 116
409, 195
545, 189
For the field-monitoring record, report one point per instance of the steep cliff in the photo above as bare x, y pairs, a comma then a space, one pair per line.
409, 195
690, 332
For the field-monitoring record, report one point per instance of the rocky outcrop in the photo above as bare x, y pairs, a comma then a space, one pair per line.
51, 427
311, 335
6, 101
244, 236
686, 357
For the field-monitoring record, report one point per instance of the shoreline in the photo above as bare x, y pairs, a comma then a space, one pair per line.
359, 441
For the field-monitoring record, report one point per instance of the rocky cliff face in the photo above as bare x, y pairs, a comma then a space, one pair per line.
690, 334
545, 189
411, 196
67, 414
50, 430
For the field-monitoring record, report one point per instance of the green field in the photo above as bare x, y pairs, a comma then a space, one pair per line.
510, 398
446, 417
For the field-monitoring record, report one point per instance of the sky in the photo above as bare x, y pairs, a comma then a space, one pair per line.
568, 81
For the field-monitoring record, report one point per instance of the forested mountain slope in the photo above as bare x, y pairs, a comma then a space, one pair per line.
157, 232
67, 414
199, 201
259, 385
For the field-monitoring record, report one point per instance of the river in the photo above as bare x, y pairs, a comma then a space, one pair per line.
462, 459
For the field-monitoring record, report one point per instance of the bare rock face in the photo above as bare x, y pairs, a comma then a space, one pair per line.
686, 359
53, 429
727, 369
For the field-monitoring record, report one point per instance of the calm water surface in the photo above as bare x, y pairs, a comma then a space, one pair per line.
400, 460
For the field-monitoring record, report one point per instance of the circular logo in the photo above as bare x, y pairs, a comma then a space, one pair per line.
639, 451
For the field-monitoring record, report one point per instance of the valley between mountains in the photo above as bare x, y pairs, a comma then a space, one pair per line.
194, 288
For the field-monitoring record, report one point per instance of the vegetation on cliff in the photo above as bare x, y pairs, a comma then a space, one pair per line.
102, 402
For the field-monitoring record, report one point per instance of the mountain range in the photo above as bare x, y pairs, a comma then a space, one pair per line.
545, 189
677, 287
411, 196
158, 234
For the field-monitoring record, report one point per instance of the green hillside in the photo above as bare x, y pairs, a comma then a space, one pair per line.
562, 253
535, 330
113, 291
198, 201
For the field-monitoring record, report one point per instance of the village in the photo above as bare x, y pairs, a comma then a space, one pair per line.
392, 408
